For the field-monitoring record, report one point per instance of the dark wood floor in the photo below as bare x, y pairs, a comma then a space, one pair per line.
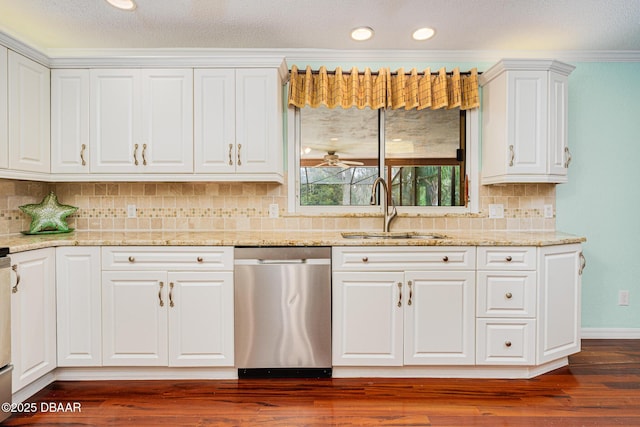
600, 387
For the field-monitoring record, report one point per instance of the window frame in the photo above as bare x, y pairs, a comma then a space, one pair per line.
472, 149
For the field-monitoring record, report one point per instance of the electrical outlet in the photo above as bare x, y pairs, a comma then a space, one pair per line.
131, 211
623, 298
548, 211
496, 211
273, 210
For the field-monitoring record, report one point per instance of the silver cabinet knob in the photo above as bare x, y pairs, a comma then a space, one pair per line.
507, 343
132, 259
508, 295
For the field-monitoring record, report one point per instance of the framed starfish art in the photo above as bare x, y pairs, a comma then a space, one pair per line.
48, 216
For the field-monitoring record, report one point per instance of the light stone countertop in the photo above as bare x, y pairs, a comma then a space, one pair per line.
20, 243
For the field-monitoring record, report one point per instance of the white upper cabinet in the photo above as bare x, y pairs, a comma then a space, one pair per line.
70, 121
141, 121
28, 114
524, 122
238, 123
4, 131
215, 120
115, 121
167, 120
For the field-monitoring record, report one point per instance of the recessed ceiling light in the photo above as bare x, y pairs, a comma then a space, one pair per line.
423, 33
361, 33
123, 4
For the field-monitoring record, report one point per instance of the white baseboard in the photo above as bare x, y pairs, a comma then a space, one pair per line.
611, 333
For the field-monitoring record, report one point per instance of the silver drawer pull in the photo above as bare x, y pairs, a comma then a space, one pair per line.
399, 294
512, 155
230, 154
160, 294
583, 263
144, 157
171, 304
567, 155
84, 147
14, 289
239, 149
132, 259
508, 295
135, 154
507, 343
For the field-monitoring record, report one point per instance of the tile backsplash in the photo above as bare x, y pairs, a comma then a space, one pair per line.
245, 206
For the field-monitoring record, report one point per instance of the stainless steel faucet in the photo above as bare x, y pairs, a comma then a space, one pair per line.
388, 217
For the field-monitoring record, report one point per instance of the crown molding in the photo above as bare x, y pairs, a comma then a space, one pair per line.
24, 49
67, 58
203, 57
528, 64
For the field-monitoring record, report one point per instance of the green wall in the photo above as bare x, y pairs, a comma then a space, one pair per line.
602, 199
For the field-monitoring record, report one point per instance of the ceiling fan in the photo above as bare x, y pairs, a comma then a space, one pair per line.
332, 159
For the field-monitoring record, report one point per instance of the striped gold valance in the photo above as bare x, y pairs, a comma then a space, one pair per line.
383, 89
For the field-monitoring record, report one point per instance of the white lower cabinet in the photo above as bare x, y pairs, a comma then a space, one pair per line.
33, 316
153, 317
506, 306
559, 295
439, 318
79, 306
405, 317
134, 318
528, 304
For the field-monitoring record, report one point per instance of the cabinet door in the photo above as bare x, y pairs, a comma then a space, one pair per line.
79, 308
33, 316
558, 118
258, 121
70, 121
167, 121
4, 130
367, 318
215, 121
29, 115
439, 318
559, 292
527, 116
114, 121
134, 318
201, 319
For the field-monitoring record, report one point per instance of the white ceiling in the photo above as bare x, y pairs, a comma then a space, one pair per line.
548, 25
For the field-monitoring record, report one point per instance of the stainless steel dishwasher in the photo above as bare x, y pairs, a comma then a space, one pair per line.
283, 311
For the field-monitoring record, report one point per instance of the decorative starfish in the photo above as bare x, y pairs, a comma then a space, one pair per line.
48, 214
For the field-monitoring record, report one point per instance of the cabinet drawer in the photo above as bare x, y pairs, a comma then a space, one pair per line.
505, 342
174, 258
506, 258
403, 258
506, 294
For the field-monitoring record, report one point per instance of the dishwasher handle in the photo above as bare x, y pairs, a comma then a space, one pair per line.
282, 261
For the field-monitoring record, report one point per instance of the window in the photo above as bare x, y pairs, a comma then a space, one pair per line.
421, 153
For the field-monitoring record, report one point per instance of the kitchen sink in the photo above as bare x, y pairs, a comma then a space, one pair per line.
390, 235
